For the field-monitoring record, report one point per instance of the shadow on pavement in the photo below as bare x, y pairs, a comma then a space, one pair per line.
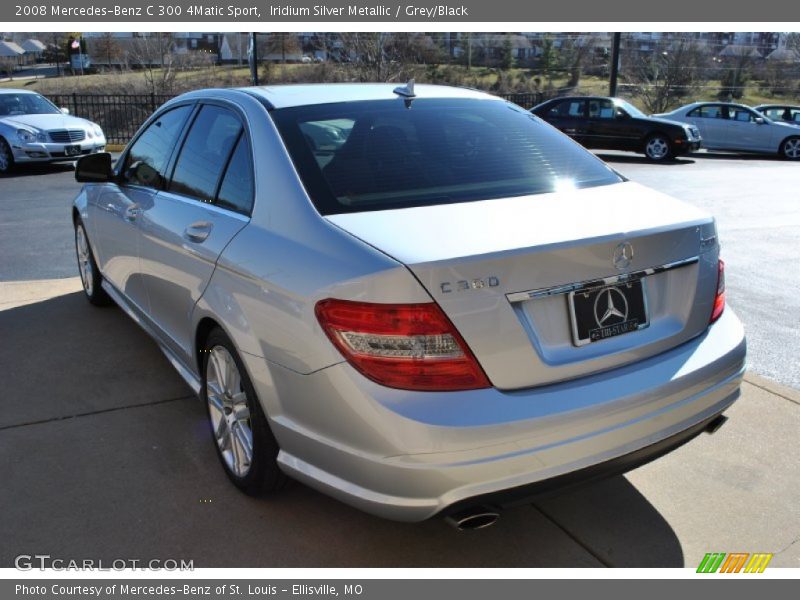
639, 159
106, 454
32, 169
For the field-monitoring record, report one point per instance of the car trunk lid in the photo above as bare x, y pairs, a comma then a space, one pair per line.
502, 271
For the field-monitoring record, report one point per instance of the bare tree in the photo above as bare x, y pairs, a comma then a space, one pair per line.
371, 54
283, 44
670, 74
155, 56
108, 48
738, 64
575, 56
7, 66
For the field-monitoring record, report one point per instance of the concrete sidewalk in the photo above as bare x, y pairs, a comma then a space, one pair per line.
107, 455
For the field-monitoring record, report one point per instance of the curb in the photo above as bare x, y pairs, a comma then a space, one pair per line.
790, 394
115, 147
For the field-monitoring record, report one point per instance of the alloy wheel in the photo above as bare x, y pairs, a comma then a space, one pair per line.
791, 148
657, 148
229, 411
84, 260
5, 157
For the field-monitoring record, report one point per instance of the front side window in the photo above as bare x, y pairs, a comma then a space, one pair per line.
383, 154
205, 153
146, 161
741, 114
602, 109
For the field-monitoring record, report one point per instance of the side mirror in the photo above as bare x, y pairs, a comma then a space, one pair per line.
64, 111
760, 120
621, 114
94, 168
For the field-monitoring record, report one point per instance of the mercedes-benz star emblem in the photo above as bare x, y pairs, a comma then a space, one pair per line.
623, 255
610, 307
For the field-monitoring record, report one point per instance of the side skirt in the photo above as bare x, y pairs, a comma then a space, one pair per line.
192, 380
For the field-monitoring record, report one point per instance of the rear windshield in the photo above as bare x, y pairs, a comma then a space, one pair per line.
384, 154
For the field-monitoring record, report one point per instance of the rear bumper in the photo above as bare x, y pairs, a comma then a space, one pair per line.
409, 456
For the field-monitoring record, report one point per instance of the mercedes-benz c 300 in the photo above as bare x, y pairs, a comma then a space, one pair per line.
420, 300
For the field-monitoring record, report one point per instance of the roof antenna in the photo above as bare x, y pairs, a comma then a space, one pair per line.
407, 90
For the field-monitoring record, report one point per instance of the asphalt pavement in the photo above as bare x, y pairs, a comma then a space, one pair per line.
106, 453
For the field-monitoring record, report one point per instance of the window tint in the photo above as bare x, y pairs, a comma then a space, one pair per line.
381, 154
602, 109
569, 108
147, 158
205, 153
236, 191
707, 112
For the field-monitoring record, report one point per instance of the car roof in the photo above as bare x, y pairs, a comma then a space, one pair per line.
16, 91
285, 96
777, 106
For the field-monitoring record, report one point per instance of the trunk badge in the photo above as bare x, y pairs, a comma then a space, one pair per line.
623, 255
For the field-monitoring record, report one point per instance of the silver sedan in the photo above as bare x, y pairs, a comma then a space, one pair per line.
739, 128
33, 129
421, 301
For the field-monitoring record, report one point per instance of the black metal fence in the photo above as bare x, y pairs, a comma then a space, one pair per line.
525, 100
120, 115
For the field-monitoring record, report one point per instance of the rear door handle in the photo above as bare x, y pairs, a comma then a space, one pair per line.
132, 212
198, 232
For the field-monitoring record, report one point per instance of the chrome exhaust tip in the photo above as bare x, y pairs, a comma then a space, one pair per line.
713, 426
479, 517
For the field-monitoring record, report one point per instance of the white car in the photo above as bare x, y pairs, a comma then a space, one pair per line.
33, 129
738, 128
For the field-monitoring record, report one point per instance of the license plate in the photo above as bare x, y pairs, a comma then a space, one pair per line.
605, 312
72, 150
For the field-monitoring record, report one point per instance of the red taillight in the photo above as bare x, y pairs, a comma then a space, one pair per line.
405, 346
719, 299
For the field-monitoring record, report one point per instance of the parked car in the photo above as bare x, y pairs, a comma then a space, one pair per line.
614, 124
739, 128
446, 307
33, 129
782, 113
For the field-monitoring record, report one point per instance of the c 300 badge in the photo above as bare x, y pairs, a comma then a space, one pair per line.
471, 284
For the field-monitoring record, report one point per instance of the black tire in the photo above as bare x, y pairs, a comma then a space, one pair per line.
91, 279
658, 148
263, 473
6, 158
790, 148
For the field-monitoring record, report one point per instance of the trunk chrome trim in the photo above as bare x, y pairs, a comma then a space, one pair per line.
515, 297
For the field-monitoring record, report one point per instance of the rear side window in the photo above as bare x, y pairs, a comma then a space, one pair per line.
707, 112
383, 154
236, 191
147, 158
569, 108
205, 153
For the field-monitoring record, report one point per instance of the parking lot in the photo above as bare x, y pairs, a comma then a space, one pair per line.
107, 455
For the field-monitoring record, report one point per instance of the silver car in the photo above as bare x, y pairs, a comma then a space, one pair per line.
739, 128
421, 301
33, 129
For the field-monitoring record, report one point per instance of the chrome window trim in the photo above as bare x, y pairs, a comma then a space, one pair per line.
593, 283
